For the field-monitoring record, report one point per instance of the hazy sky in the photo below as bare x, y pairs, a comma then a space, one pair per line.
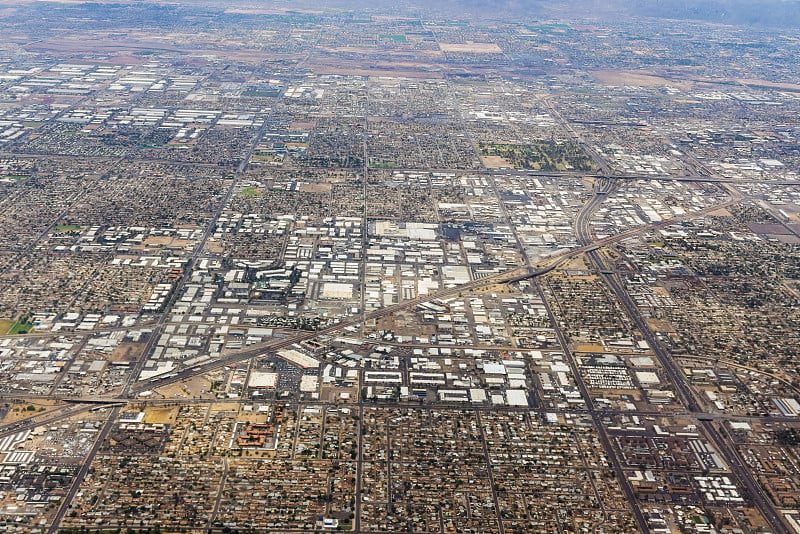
779, 13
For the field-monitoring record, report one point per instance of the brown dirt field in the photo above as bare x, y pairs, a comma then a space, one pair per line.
18, 411
158, 240
171, 391
335, 177
494, 288
755, 518
573, 264
189, 143
198, 385
471, 48
301, 126
225, 407
315, 188
266, 10
214, 248
126, 352
721, 213
162, 416
334, 394
621, 77
496, 162
589, 347
251, 417
193, 387
660, 291
773, 85
660, 325
390, 69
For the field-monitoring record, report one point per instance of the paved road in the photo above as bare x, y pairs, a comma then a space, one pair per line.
588, 246
585, 214
676, 376
218, 500
684, 392
196, 253
87, 464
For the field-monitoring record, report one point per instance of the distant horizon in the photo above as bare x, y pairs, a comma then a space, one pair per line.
760, 13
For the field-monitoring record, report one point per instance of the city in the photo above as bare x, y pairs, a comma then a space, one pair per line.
390, 269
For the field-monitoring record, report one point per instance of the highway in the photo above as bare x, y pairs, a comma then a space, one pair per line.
624, 483
514, 275
676, 376
46, 419
583, 217
66, 502
130, 392
83, 404
196, 253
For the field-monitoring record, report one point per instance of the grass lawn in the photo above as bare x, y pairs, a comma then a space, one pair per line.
66, 228
14, 327
251, 191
